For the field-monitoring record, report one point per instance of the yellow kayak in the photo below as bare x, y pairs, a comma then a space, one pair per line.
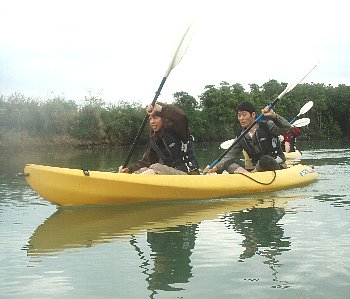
65, 186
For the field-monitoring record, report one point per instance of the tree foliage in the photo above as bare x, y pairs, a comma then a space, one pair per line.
212, 117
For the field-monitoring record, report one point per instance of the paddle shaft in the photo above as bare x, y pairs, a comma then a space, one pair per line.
244, 132
143, 124
180, 50
294, 119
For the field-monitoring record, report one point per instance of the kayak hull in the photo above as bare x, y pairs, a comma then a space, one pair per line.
65, 186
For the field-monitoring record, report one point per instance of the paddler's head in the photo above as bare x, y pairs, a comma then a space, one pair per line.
155, 117
246, 113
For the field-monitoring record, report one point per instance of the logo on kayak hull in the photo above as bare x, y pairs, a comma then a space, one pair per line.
306, 171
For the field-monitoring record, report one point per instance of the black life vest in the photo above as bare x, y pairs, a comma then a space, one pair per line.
174, 152
268, 144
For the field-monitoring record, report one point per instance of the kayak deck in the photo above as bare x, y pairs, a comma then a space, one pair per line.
65, 186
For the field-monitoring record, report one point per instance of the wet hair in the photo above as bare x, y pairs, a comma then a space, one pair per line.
246, 106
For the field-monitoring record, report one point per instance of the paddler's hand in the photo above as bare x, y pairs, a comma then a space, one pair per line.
123, 170
268, 113
152, 109
208, 170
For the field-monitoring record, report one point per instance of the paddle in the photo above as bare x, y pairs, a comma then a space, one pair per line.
302, 122
289, 87
179, 52
303, 110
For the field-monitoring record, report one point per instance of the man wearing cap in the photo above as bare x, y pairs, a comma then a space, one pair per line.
261, 142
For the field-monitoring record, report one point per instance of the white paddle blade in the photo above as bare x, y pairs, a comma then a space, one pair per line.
226, 144
180, 50
290, 86
302, 122
306, 107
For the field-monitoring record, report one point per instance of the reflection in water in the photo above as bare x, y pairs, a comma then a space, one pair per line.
263, 235
171, 251
171, 231
87, 226
338, 201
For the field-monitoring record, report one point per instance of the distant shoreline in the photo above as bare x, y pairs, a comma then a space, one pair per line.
20, 142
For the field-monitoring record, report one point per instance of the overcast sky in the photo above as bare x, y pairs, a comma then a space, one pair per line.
121, 49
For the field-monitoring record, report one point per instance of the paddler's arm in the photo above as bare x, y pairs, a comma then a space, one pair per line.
149, 157
226, 161
277, 124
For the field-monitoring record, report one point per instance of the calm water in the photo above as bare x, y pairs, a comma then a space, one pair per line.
288, 244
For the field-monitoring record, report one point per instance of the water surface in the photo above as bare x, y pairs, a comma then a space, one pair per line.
288, 244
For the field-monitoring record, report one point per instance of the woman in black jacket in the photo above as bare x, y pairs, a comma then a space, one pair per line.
169, 142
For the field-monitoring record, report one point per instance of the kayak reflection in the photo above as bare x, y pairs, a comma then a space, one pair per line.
87, 226
171, 231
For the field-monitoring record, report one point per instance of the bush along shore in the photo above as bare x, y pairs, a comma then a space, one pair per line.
56, 122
